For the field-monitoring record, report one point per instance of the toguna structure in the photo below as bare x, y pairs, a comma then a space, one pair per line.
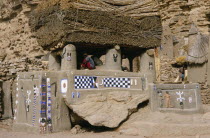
47, 100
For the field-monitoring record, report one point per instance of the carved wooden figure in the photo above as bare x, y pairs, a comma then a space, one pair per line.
167, 98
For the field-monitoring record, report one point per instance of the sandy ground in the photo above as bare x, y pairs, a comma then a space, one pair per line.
10, 134
159, 124
6, 132
139, 123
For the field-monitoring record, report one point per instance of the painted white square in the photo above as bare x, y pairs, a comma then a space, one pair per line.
64, 85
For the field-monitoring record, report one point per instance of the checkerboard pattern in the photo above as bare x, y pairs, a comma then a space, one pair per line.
117, 82
43, 98
83, 82
34, 110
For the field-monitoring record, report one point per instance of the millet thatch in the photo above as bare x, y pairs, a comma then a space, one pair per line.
97, 22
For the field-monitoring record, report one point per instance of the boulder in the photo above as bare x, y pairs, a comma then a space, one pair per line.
109, 109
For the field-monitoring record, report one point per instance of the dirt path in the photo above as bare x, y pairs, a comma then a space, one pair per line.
6, 132
67, 134
142, 124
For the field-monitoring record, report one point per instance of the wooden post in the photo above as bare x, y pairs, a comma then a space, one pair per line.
208, 65
157, 64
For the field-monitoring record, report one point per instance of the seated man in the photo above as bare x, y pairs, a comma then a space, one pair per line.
88, 62
97, 61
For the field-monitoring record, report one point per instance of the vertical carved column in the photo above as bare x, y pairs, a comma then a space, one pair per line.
69, 58
136, 62
113, 59
147, 64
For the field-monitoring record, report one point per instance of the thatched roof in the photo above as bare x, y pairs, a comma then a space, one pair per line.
99, 22
198, 52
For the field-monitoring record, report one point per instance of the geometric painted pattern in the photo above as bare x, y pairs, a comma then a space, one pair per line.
117, 82
84, 82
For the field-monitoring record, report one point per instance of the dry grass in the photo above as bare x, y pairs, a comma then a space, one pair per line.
93, 21
181, 60
64, 4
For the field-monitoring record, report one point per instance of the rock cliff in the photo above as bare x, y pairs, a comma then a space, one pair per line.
20, 50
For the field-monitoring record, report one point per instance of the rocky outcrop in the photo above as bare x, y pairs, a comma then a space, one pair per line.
9, 9
20, 50
177, 17
16, 38
8, 69
107, 110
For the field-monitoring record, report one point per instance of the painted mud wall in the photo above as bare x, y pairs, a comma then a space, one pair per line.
39, 105
181, 98
85, 82
32, 95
